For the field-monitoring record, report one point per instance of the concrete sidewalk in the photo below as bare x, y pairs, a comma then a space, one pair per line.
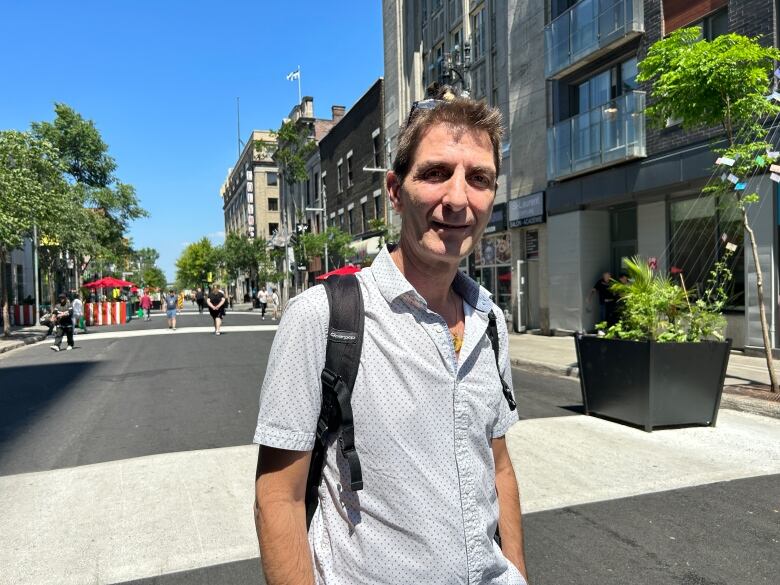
21, 336
557, 356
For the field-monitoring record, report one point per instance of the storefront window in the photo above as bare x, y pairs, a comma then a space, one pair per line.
493, 268
700, 230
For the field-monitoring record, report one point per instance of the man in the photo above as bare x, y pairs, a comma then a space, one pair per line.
216, 302
429, 413
606, 297
199, 300
78, 314
262, 298
171, 303
63, 317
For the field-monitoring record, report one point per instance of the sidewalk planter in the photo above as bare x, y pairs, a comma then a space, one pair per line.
652, 384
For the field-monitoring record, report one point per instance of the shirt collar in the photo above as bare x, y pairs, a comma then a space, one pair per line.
393, 284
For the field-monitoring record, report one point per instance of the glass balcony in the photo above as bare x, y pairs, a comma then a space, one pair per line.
612, 133
589, 29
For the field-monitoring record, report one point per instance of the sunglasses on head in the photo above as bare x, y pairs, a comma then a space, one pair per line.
428, 104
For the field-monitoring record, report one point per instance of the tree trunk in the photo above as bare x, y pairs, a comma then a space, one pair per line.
6, 315
761, 309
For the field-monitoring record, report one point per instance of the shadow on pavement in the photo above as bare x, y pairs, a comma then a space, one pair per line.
26, 392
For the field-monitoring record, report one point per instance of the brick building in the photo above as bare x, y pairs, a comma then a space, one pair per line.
352, 161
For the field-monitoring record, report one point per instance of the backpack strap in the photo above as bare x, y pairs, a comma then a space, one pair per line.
492, 333
342, 357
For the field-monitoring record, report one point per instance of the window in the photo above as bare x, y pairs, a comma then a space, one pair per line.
351, 213
341, 219
338, 178
316, 186
273, 204
271, 179
493, 30
272, 228
364, 217
478, 34
377, 142
350, 176
715, 25
378, 207
699, 231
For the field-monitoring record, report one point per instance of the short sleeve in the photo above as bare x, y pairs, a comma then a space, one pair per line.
290, 396
505, 417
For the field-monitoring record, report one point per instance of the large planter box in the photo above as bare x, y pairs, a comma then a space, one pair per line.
651, 384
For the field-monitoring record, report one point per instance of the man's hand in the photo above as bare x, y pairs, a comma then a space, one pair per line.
280, 516
509, 517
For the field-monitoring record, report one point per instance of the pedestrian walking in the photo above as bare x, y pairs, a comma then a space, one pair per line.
171, 302
262, 299
275, 301
78, 314
216, 303
63, 318
199, 300
146, 305
415, 472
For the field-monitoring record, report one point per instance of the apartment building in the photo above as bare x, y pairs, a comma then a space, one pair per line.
617, 187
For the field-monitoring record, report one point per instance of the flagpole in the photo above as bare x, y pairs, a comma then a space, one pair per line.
299, 85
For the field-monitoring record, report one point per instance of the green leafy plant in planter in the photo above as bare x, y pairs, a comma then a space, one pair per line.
653, 307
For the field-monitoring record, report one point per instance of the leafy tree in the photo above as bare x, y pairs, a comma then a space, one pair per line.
153, 277
31, 190
98, 232
292, 148
239, 253
719, 83
339, 246
195, 263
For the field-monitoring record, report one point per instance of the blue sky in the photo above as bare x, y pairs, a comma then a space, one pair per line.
160, 80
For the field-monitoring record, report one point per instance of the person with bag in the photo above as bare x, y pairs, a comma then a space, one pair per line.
63, 318
146, 305
216, 303
78, 314
386, 439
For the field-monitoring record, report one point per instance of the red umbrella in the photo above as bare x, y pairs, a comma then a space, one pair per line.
112, 282
94, 284
339, 271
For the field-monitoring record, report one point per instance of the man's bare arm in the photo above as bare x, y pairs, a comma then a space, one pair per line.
509, 517
280, 516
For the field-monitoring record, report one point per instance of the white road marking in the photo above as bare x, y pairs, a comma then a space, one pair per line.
80, 339
137, 518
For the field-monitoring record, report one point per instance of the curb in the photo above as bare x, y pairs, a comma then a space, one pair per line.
728, 400
10, 346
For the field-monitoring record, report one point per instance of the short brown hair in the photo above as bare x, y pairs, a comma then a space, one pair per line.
452, 110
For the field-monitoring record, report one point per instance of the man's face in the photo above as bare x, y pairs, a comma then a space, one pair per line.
63, 301
447, 196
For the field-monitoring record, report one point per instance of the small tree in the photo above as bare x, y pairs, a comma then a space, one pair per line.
291, 150
719, 83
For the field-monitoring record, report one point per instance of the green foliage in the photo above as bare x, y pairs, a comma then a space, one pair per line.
31, 186
195, 262
653, 307
339, 245
153, 277
709, 83
292, 148
388, 233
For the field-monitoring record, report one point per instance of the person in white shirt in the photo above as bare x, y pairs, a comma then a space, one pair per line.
262, 299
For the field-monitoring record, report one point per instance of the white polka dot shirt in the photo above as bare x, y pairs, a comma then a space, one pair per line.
424, 420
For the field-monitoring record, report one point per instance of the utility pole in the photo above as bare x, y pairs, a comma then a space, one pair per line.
36, 276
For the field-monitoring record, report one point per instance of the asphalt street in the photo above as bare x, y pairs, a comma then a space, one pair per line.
128, 460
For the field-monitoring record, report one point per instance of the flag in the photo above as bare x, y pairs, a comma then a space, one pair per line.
294, 75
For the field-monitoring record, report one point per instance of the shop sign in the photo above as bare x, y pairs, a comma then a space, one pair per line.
497, 219
528, 210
